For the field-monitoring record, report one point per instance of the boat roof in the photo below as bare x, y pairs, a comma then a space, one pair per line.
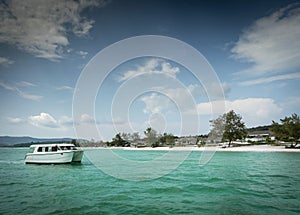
51, 145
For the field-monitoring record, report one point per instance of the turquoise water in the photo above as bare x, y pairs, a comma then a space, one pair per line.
231, 183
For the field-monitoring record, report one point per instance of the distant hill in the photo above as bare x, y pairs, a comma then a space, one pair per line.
26, 141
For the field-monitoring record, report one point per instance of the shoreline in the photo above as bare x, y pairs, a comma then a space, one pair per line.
252, 148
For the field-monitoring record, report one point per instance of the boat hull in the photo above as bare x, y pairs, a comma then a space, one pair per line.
49, 158
77, 156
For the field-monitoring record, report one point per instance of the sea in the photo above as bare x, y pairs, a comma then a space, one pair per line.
230, 183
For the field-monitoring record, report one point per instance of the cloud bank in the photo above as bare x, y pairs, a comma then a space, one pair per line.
41, 27
255, 111
271, 44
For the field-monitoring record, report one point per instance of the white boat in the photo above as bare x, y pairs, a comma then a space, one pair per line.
53, 154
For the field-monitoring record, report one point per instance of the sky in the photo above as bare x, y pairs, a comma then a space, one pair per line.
54, 80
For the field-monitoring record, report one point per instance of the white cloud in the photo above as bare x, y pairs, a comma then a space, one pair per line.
271, 43
83, 54
41, 27
212, 90
83, 28
155, 103
152, 66
15, 120
291, 76
255, 111
65, 121
47, 120
25, 95
149, 66
182, 98
26, 84
43, 120
29, 96
7, 86
5, 61
65, 88
168, 69
85, 118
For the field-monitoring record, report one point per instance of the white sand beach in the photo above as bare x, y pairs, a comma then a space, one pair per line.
249, 148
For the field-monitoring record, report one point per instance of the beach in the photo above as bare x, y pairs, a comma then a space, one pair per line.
247, 148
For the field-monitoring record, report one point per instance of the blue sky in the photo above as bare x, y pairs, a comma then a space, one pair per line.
252, 46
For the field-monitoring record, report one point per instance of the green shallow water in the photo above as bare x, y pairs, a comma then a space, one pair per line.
231, 183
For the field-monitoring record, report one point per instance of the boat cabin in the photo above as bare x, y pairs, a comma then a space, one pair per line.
53, 147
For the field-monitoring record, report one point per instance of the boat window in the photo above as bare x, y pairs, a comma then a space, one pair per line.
54, 148
46, 149
40, 149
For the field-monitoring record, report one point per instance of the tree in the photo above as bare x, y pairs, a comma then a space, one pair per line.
126, 136
135, 136
218, 127
288, 130
118, 141
151, 136
229, 127
168, 139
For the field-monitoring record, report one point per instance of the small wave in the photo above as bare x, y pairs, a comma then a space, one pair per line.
205, 187
11, 162
278, 176
165, 190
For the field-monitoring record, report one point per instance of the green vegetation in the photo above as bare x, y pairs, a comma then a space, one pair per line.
288, 130
118, 141
167, 139
151, 137
265, 128
229, 126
